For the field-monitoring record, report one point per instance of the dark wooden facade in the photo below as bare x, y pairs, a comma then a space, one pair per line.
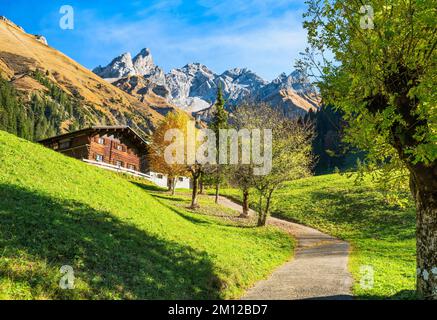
119, 146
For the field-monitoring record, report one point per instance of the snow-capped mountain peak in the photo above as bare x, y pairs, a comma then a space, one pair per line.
143, 62
119, 67
194, 86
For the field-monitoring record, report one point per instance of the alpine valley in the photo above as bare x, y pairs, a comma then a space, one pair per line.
46, 93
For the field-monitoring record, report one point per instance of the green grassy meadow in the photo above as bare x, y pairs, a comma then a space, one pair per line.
126, 239
381, 235
122, 240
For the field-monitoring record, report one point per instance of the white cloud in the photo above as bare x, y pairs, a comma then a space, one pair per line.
264, 43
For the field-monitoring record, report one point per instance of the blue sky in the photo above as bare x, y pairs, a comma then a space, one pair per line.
265, 36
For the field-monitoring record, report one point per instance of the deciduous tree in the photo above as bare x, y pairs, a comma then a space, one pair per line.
291, 152
377, 63
158, 145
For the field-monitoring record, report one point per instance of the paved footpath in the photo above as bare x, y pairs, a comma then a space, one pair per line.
318, 269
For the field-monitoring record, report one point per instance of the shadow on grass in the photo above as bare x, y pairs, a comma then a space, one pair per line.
372, 217
158, 192
112, 258
401, 295
167, 197
149, 187
163, 199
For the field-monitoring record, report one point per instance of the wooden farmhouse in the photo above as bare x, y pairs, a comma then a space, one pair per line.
116, 148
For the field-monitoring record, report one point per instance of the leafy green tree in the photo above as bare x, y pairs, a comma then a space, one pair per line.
291, 152
377, 63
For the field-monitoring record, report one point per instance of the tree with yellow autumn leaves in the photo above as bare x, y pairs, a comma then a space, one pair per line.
159, 144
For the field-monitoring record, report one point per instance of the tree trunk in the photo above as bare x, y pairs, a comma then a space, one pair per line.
200, 186
217, 189
194, 194
260, 212
173, 189
262, 219
423, 178
170, 183
245, 204
423, 184
264, 213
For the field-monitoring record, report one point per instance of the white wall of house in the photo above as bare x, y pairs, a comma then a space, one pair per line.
162, 180
158, 179
183, 183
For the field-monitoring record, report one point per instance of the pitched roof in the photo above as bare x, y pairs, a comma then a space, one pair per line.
128, 131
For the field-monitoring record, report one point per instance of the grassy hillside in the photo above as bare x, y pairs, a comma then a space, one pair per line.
100, 102
382, 236
121, 241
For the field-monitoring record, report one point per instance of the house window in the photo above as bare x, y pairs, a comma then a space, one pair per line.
119, 163
131, 167
160, 176
101, 141
99, 158
64, 144
181, 179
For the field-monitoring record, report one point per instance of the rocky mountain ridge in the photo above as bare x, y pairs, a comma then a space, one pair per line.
41, 77
193, 87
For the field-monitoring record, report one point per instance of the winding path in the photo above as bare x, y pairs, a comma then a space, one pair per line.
317, 271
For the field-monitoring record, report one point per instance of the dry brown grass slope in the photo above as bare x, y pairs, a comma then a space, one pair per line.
22, 53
